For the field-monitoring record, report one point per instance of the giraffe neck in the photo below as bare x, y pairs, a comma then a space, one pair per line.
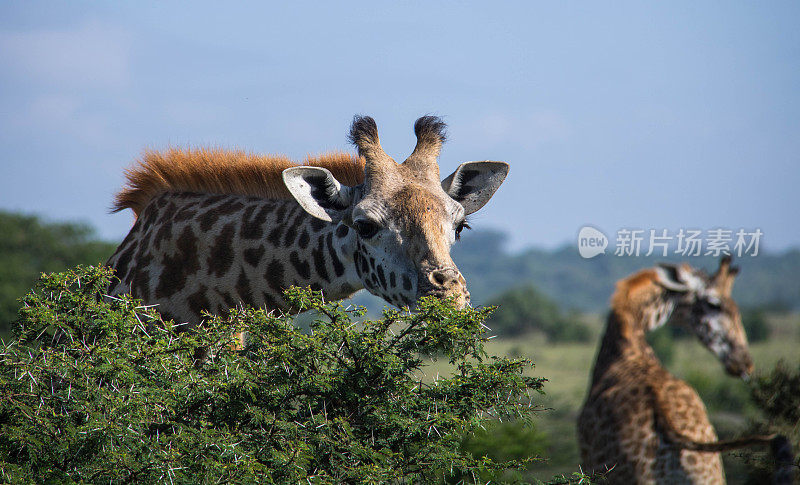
331, 256
189, 253
307, 252
626, 330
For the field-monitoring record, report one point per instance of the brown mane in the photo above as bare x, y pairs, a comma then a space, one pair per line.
630, 291
218, 171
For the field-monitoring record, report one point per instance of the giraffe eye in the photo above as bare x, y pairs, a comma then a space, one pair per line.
366, 228
460, 227
713, 304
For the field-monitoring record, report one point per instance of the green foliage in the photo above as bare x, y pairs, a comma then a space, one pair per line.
97, 390
727, 394
509, 440
777, 396
755, 325
29, 247
525, 309
517, 440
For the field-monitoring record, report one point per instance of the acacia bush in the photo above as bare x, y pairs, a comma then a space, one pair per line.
102, 390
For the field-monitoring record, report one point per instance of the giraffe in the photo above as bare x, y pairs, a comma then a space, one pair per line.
215, 229
639, 421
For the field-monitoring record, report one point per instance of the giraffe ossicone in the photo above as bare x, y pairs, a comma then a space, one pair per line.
639, 421
215, 229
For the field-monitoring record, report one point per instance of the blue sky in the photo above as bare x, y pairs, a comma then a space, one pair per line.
648, 115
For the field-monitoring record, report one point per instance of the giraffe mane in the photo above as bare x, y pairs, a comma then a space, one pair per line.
219, 171
631, 288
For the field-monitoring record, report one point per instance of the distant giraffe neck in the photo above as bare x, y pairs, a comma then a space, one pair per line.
191, 252
627, 326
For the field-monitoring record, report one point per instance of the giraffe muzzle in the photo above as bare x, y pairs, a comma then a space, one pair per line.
447, 282
739, 363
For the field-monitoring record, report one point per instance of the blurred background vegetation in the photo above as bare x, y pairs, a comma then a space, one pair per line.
30, 246
551, 307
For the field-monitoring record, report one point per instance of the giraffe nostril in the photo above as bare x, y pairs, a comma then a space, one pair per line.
439, 278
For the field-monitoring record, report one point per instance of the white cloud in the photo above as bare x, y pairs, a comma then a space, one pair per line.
91, 55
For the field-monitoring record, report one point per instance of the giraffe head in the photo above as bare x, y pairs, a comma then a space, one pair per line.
703, 303
404, 217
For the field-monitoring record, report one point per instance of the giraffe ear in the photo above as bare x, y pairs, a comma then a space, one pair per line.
318, 192
673, 277
474, 183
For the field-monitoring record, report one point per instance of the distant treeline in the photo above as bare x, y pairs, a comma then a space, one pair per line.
30, 246
769, 281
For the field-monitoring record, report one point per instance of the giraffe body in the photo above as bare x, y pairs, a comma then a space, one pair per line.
640, 421
216, 229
